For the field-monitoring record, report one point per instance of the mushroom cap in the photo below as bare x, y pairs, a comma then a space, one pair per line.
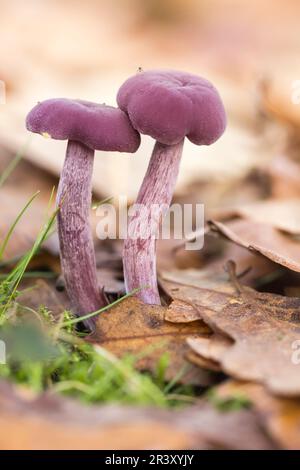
98, 126
169, 105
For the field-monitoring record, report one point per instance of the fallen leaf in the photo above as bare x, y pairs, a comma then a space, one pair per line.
211, 350
51, 422
279, 416
238, 429
203, 362
170, 256
256, 270
283, 214
264, 239
48, 421
190, 287
181, 312
254, 331
43, 293
132, 327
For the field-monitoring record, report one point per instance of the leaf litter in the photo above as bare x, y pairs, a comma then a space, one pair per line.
254, 332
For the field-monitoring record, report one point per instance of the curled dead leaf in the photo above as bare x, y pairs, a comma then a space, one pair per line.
263, 328
283, 214
262, 238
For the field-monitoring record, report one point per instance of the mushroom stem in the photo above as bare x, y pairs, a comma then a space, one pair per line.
75, 236
153, 201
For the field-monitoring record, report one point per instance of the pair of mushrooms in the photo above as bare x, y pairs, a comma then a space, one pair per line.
166, 105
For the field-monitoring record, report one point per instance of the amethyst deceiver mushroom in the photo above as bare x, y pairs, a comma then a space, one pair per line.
169, 106
87, 127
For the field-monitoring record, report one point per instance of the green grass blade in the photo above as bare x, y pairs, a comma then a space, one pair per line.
17, 274
13, 226
103, 309
35, 274
95, 205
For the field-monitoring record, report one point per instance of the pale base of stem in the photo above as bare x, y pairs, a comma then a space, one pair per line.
139, 255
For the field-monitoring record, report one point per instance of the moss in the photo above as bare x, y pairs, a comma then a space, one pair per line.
234, 402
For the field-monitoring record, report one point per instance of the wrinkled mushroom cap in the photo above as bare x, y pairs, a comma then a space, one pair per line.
170, 105
99, 127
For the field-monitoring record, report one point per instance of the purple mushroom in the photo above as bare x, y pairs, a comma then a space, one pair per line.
87, 127
169, 106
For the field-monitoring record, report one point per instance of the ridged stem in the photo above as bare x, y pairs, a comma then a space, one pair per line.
153, 201
75, 236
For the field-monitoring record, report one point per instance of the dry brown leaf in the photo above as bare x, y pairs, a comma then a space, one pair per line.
214, 255
181, 312
281, 214
132, 327
240, 429
264, 239
43, 293
279, 416
256, 270
202, 362
263, 327
51, 422
190, 287
211, 349
171, 256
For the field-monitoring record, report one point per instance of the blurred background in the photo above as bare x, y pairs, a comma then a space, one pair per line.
75, 49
